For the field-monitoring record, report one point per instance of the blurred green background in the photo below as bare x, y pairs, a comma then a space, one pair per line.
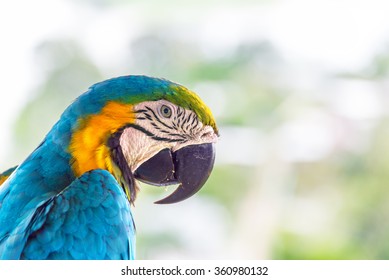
299, 90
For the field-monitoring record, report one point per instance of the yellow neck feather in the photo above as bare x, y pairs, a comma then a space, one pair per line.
88, 145
2, 179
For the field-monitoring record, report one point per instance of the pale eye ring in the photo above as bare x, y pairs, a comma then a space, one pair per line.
165, 111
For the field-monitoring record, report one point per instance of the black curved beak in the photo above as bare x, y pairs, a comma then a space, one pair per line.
189, 167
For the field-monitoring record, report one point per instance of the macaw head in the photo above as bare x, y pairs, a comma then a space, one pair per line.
146, 129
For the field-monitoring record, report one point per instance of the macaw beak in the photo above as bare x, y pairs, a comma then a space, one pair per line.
189, 167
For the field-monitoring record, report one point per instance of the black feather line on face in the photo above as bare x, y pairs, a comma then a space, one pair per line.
140, 111
184, 117
127, 180
194, 119
197, 122
156, 126
148, 117
187, 128
183, 122
179, 112
189, 118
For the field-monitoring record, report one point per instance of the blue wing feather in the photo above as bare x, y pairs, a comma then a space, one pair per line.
90, 219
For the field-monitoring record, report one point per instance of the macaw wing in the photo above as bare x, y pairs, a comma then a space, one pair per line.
90, 219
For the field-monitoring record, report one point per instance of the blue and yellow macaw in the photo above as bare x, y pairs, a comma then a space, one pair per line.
71, 198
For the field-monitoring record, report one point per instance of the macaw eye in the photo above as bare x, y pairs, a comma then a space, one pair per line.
166, 111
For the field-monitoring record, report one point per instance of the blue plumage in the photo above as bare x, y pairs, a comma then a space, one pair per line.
73, 224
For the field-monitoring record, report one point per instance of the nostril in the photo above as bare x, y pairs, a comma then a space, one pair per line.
206, 134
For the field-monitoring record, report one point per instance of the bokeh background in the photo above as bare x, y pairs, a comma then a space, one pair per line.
299, 89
